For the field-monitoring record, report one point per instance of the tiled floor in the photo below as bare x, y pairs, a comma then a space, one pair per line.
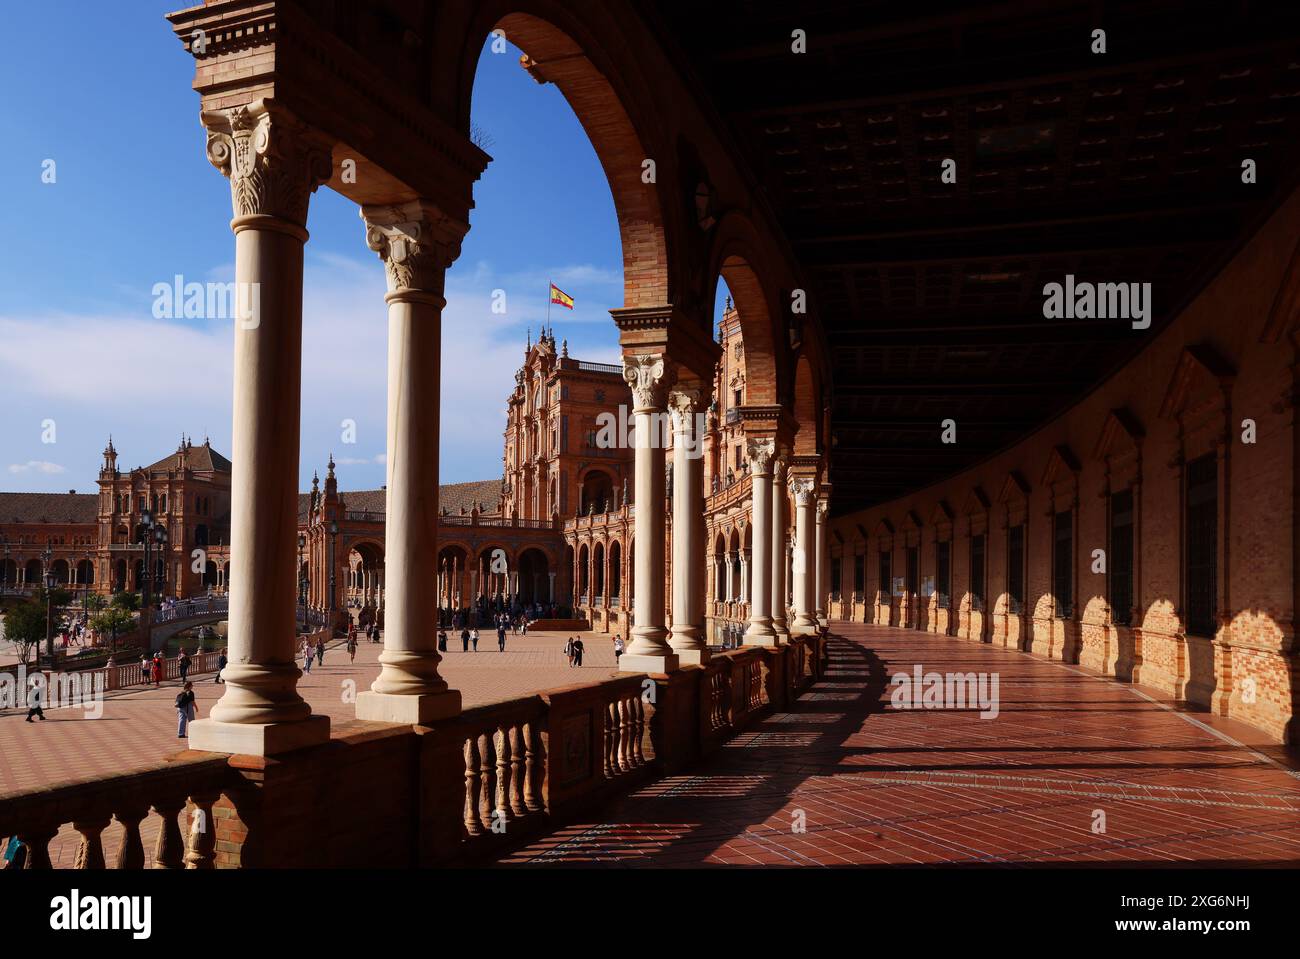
846, 778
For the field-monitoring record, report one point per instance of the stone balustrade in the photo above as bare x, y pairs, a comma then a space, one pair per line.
453, 792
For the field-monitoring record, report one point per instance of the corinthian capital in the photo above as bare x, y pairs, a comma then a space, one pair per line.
417, 243
760, 453
803, 491
649, 377
683, 404
274, 162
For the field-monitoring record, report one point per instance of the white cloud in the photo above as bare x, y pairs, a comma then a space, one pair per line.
37, 466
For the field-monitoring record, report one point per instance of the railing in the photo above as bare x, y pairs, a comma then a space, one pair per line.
600, 367
183, 784
505, 522
192, 609
365, 516
454, 791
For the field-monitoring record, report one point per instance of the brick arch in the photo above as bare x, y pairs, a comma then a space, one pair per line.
579, 54
807, 408
735, 258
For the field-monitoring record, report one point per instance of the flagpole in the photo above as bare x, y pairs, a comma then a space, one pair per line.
548, 302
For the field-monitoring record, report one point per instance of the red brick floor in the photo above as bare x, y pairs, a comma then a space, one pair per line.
874, 785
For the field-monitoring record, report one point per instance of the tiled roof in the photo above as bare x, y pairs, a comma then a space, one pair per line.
49, 508
197, 458
451, 497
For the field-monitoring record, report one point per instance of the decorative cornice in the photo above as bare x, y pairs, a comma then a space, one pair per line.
417, 243
273, 162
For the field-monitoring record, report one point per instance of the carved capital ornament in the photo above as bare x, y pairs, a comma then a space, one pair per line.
649, 377
417, 243
274, 162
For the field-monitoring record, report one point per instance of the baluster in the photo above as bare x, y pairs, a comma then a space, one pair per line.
638, 728
517, 802
37, 840
170, 848
201, 849
533, 767
472, 786
130, 851
624, 737
504, 782
487, 775
90, 854
611, 745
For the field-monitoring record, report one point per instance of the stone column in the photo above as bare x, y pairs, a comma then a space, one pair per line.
804, 559
274, 165
778, 559
729, 561
649, 377
551, 588
760, 632
823, 563
417, 243
742, 590
687, 638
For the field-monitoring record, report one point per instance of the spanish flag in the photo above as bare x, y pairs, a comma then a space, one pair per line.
561, 298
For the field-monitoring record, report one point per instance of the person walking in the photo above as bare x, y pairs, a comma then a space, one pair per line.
221, 664
568, 650
183, 664
320, 650
619, 648
352, 646
34, 701
185, 710
442, 640
464, 640
501, 637
157, 668
306, 656
577, 652
473, 638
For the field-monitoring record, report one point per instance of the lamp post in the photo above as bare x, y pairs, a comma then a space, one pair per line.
302, 579
334, 534
50, 582
160, 537
145, 537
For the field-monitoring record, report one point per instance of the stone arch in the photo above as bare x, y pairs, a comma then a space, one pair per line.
584, 572
62, 571
596, 487
734, 257
534, 572
615, 570
807, 407
598, 571
602, 89
85, 573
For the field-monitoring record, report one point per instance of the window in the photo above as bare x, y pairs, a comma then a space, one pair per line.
1120, 561
859, 574
943, 572
735, 398
884, 579
835, 576
977, 571
1202, 545
1016, 565
913, 570
1063, 562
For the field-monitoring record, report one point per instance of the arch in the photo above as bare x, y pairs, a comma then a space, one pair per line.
119, 575
201, 534
210, 575
806, 408
85, 573
563, 55
598, 571
8, 572
62, 572
615, 570
584, 571
32, 572
596, 490
534, 576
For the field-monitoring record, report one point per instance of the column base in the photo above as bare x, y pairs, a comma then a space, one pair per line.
761, 633
419, 709
258, 739
692, 657
803, 626
642, 663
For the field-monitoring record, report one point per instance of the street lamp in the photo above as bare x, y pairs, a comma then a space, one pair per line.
334, 534
50, 581
160, 537
302, 578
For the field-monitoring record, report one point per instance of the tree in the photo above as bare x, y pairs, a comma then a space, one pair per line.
128, 601
112, 621
25, 627
95, 602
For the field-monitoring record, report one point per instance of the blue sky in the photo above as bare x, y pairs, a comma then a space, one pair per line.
135, 202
